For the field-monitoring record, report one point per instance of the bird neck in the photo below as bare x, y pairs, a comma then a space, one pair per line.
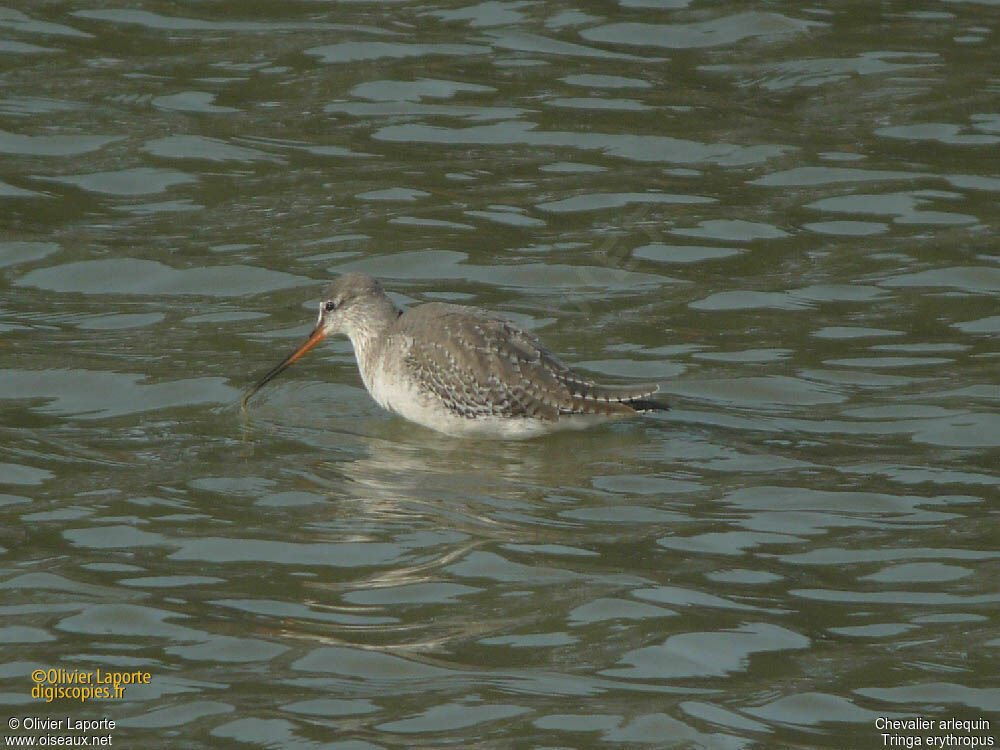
369, 327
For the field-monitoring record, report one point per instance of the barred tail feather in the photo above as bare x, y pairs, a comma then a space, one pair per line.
619, 393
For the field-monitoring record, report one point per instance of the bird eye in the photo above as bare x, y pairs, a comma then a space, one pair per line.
330, 306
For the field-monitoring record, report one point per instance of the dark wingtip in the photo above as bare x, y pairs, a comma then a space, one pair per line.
648, 404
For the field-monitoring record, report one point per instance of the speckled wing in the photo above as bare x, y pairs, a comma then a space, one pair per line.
479, 366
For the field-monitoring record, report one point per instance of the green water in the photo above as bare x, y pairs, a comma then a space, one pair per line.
786, 216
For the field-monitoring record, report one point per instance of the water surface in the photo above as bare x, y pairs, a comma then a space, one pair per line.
786, 216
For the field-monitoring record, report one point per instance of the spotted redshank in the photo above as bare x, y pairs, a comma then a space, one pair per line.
459, 370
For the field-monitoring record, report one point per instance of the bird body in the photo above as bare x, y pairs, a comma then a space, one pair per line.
462, 371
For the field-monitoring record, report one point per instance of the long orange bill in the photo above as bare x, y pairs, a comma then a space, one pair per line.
314, 338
